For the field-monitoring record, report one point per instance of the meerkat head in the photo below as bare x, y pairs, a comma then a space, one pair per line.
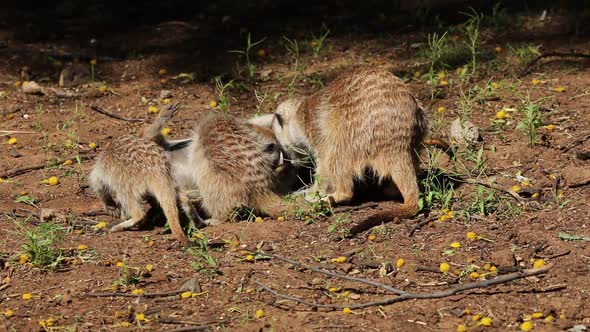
272, 150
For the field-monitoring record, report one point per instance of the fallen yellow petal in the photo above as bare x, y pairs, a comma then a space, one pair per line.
259, 313
347, 311
27, 296
162, 71
539, 263
100, 225
280, 218
149, 267
441, 109
212, 104
461, 328
152, 109
527, 326
400, 263
486, 321
340, 259
8, 313
92, 145
186, 295
371, 237
12, 141
249, 257
23, 259
455, 245
471, 236
120, 264
82, 247
443, 82
444, 267
559, 89
166, 131
137, 291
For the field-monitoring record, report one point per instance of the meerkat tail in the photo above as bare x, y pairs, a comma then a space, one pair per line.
401, 211
153, 132
166, 195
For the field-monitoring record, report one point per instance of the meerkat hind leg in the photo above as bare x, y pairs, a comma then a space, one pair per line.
134, 209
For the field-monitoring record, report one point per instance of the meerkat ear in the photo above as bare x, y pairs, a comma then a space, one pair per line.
264, 120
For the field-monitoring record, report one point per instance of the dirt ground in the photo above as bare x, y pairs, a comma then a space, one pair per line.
135, 64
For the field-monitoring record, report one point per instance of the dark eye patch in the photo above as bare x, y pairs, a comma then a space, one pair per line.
270, 147
279, 119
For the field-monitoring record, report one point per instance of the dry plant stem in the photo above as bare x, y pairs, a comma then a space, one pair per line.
165, 320
527, 69
27, 169
162, 294
491, 186
191, 328
101, 110
338, 275
575, 143
421, 224
412, 296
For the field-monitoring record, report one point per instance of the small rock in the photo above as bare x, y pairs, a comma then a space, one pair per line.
576, 176
165, 94
14, 153
504, 258
46, 215
346, 267
578, 328
31, 88
191, 285
464, 132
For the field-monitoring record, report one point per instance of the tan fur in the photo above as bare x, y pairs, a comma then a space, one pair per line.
129, 170
235, 164
366, 118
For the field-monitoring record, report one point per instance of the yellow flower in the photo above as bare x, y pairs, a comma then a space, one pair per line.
186, 294
149, 267
120, 264
340, 259
467, 311
400, 262
501, 115
549, 318
259, 313
443, 82
102, 88
162, 71
100, 225
486, 321
8, 313
559, 89
261, 52
118, 314
493, 269
258, 219
441, 75
441, 109
280, 218
537, 315
471, 236
417, 74
166, 131
137, 291
345, 293
535, 81
444, 267
498, 49
82, 247
151, 243
550, 127
27, 296
539, 263
455, 245
166, 100
23, 259
371, 237
92, 145
123, 324
67, 162
212, 104
52, 181
140, 317
333, 289
475, 318
249, 257
494, 85
515, 188
153, 109
527, 326
562, 316
347, 311
461, 328
93, 62
470, 260
12, 141
474, 275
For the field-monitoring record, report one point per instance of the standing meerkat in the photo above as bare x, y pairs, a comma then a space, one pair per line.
366, 118
235, 163
131, 169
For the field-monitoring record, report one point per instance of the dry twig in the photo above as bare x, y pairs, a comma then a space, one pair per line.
115, 294
529, 66
27, 169
101, 110
411, 296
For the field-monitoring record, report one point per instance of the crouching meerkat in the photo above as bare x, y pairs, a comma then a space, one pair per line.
132, 169
236, 163
364, 119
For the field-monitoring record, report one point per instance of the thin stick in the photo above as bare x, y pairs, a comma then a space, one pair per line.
27, 169
491, 186
412, 296
421, 224
527, 69
575, 143
337, 275
101, 110
162, 294
165, 320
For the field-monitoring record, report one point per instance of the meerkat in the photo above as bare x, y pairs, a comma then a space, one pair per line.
235, 163
129, 170
364, 119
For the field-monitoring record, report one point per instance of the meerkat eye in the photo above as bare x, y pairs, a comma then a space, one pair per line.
270, 147
279, 119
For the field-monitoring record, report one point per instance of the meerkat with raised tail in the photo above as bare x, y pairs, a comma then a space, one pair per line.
129, 170
364, 119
